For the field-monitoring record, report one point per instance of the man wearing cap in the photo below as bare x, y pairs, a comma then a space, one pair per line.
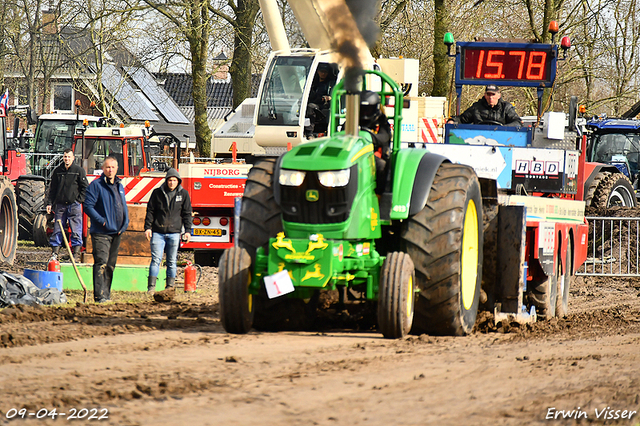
320, 97
490, 109
168, 216
322, 86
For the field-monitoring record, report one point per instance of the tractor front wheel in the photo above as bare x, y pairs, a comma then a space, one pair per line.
396, 296
445, 241
40, 225
8, 222
236, 303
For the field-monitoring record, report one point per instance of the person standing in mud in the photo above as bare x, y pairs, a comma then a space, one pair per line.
168, 216
65, 197
106, 206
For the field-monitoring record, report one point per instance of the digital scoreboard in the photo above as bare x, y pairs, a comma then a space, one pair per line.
507, 64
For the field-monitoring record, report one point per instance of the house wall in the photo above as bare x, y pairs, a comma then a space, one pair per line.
13, 83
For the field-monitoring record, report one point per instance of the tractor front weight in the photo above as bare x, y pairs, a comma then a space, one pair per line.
318, 264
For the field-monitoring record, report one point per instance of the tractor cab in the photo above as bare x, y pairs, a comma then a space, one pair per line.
55, 133
615, 142
127, 144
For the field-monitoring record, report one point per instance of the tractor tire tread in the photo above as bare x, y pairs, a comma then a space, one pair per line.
433, 239
234, 273
30, 198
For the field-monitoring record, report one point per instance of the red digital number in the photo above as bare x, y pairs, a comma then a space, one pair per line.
522, 55
491, 63
506, 65
535, 70
480, 59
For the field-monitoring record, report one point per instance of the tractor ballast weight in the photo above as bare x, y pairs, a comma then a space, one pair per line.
336, 233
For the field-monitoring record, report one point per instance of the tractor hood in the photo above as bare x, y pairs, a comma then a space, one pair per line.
331, 153
327, 186
613, 125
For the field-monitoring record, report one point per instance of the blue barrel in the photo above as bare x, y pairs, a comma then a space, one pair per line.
44, 279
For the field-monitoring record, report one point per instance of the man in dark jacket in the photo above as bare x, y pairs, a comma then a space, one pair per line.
320, 96
168, 216
490, 109
106, 206
66, 194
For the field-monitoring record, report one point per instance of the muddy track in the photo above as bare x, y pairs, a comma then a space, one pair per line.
149, 363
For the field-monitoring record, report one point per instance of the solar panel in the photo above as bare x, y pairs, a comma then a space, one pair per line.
161, 99
126, 96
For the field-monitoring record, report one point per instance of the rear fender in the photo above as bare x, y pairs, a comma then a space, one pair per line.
414, 173
592, 170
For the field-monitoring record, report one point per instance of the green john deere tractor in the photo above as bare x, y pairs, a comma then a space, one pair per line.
313, 221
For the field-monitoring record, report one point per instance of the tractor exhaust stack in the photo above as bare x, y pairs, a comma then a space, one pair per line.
352, 123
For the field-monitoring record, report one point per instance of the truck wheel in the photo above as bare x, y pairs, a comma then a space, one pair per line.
564, 284
39, 232
30, 197
543, 295
445, 241
8, 222
610, 190
260, 216
236, 303
396, 296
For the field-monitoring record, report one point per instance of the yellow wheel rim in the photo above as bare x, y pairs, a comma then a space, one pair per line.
469, 273
410, 298
249, 295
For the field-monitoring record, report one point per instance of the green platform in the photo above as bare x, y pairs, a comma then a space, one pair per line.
125, 277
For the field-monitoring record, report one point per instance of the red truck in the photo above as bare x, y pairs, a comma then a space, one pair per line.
213, 188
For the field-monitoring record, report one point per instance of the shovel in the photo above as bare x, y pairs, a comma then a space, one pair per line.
73, 261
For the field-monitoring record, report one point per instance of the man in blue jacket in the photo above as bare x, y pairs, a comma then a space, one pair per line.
106, 206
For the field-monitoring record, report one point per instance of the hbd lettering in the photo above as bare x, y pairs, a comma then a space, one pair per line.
604, 414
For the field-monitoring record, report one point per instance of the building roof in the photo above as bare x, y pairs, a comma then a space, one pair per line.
219, 93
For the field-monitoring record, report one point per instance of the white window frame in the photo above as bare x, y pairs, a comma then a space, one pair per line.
53, 92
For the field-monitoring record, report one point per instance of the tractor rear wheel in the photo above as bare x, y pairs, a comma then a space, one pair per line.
39, 233
236, 303
396, 295
610, 190
30, 198
260, 216
445, 241
8, 222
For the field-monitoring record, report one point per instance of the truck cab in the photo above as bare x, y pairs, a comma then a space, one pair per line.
127, 144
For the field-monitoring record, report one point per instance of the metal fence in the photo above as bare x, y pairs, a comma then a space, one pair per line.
613, 248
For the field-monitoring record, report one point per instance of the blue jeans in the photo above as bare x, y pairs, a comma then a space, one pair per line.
73, 214
164, 243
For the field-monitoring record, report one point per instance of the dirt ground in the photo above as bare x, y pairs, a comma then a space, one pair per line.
142, 362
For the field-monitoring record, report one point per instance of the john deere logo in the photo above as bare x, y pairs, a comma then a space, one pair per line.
312, 195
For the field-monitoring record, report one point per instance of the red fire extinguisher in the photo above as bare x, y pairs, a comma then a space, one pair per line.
189, 277
53, 265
